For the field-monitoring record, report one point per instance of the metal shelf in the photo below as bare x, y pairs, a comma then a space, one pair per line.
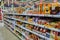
34, 32
8, 21
23, 34
31, 32
17, 30
39, 15
37, 25
8, 17
13, 31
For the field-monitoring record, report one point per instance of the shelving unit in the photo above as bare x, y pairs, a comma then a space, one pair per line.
30, 26
35, 24
12, 31
54, 16
42, 26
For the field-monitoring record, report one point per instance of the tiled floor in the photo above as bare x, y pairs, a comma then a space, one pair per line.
5, 34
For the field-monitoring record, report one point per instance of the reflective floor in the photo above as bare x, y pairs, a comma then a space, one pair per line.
5, 34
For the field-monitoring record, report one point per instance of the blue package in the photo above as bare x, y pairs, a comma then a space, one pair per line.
23, 5
6, 5
36, 19
15, 5
48, 35
58, 13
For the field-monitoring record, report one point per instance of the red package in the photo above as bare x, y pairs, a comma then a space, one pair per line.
0, 14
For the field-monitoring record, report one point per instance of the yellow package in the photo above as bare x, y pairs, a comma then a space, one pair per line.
47, 8
30, 19
48, 26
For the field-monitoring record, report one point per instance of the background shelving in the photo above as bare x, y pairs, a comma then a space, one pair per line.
28, 23
19, 20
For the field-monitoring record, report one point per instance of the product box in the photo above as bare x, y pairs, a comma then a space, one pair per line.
47, 8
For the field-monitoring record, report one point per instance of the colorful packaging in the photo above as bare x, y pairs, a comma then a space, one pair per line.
35, 20
39, 21
55, 4
47, 8
30, 19
58, 35
40, 8
52, 36
44, 32
48, 33
41, 30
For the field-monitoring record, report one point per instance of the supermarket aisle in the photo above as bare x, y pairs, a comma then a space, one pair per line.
5, 34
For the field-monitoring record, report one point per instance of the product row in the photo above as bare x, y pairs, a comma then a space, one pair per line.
23, 33
41, 31
46, 21
30, 36
19, 3
34, 7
